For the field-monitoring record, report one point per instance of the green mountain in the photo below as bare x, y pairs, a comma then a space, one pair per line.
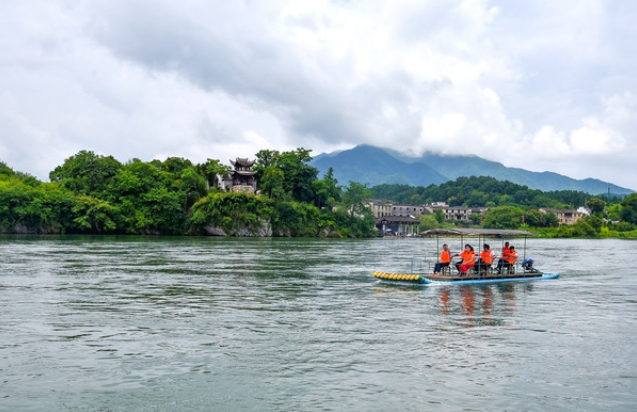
374, 166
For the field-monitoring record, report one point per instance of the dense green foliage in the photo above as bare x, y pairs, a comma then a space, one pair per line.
231, 212
480, 192
27, 205
97, 194
629, 209
513, 206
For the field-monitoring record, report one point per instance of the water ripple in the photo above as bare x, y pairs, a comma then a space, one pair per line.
162, 324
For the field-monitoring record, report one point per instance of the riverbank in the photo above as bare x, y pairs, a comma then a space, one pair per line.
569, 233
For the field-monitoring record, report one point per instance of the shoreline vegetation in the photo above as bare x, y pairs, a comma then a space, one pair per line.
96, 194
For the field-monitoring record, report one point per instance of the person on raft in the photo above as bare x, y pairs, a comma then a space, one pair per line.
468, 259
445, 259
509, 260
486, 259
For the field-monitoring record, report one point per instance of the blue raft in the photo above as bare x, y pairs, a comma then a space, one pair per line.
460, 281
474, 276
405, 278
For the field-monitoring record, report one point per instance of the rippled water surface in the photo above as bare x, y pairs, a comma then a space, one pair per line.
206, 324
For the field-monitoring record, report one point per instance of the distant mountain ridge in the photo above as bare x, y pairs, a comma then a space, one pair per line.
373, 166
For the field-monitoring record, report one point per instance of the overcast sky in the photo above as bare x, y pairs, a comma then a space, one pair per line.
532, 84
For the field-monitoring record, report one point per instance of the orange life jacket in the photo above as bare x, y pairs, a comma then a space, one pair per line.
468, 257
506, 252
445, 256
485, 257
512, 256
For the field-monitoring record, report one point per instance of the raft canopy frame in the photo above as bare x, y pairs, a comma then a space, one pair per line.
480, 233
468, 232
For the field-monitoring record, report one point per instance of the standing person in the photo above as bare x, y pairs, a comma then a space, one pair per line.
445, 259
468, 259
504, 258
486, 258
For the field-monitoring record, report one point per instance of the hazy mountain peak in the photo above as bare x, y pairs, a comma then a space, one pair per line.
374, 165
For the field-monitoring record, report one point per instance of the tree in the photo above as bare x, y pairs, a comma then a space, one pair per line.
193, 184
503, 217
6, 170
267, 158
211, 169
614, 211
550, 220
354, 198
299, 176
534, 218
165, 211
86, 173
272, 183
35, 206
95, 215
175, 165
596, 221
326, 191
455, 201
428, 222
475, 218
629, 209
596, 205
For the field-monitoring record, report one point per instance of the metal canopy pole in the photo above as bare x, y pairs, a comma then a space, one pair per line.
524, 258
438, 247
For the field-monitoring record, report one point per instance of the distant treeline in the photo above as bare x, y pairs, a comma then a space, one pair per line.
513, 206
484, 192
95, 194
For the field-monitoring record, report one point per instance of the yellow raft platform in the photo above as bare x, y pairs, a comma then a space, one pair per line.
399, 277
406, 278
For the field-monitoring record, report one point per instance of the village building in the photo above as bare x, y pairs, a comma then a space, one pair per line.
460, 213
379, 208
397, 225
396, 219
584, 210
241, 179
407, 210
403, 219
564, 216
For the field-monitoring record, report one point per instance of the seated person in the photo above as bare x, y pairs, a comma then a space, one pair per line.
504, 257
468, 259
509, 260
486, 259
445, 259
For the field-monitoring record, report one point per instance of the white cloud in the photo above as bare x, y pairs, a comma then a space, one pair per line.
533, 85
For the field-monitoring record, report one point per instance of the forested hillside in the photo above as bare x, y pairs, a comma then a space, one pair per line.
512, 206
97, 194
480, 192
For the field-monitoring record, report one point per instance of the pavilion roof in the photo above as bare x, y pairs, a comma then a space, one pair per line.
242, 162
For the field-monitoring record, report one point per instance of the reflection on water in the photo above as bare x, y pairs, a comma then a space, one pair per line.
479, 305
152, 324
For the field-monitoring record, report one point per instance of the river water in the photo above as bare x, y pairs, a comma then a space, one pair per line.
209, 324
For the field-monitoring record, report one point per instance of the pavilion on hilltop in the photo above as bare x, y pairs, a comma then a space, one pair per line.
240, 179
